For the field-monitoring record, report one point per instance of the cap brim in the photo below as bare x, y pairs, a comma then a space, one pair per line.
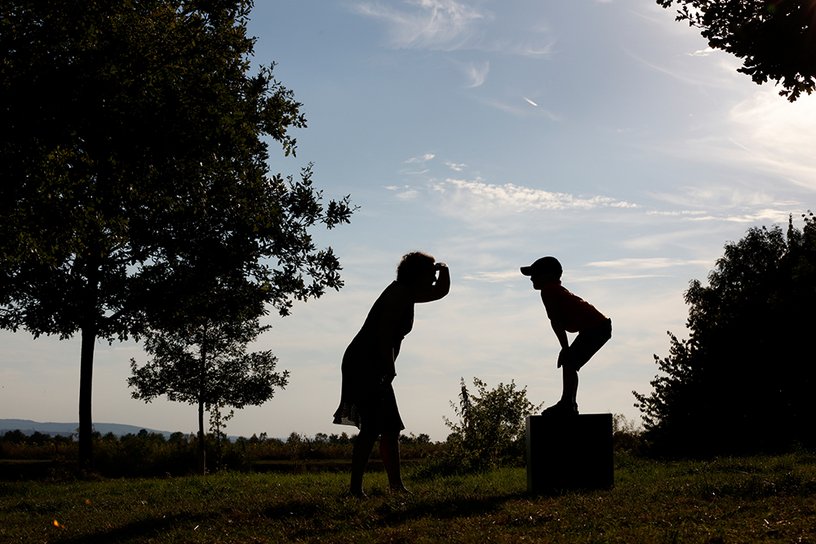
527, 270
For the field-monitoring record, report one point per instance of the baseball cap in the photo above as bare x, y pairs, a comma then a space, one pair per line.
545, 265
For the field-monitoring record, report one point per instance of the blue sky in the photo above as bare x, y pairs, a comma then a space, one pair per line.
490, 133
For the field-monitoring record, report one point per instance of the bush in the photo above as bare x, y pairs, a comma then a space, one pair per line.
490, 431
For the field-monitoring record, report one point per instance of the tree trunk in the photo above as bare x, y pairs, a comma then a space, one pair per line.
202, 450
85, 398
89, 328
202, 380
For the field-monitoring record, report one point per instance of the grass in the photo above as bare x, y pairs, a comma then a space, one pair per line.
757, 499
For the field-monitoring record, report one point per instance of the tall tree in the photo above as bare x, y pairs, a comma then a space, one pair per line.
776, 39
134, 159
744, 378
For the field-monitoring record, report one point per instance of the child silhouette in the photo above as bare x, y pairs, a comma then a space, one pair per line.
568, 313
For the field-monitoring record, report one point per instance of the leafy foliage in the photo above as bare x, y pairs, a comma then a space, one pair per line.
776, 39
491, 427
743, 381
134, 161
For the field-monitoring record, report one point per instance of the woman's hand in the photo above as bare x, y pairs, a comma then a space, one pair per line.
439, 288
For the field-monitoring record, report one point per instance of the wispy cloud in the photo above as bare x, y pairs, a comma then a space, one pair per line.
451, 25
651, 263
702, 52
691, 74
476, 73
520, 107
420, 159
777, 136
480, 196
431, 24
403, 192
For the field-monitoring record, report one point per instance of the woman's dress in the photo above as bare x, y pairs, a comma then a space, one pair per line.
367, 397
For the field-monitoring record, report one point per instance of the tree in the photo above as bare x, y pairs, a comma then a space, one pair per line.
134, 168
776, 39
743, 380
207, 365
491, 427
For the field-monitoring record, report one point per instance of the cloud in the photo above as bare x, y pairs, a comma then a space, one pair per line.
476, 73
776, 135
702, 52
427, 24
477, 195
691, 73
521, 108
403, 192
451, 25
650, 263
421, 159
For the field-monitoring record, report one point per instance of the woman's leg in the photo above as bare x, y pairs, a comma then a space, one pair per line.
359, 459
390, 452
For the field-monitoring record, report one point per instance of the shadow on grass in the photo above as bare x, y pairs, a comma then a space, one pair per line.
391, 514
137, 531
386, 512
294, 509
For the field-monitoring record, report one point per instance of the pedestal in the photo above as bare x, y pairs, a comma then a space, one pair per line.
569, 452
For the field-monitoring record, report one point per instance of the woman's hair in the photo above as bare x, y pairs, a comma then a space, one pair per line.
413, 266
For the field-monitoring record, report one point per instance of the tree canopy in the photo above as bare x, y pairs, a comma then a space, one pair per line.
776, 39
134, 166
743, 381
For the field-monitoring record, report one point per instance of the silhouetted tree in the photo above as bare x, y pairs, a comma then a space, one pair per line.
743, 381
207, 365
133, 153
776, 39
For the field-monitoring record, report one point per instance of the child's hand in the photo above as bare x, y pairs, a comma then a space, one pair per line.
563, 357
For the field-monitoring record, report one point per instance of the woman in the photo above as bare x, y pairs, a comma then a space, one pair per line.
367, 398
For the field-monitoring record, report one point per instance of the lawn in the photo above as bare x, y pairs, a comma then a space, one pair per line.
756, 499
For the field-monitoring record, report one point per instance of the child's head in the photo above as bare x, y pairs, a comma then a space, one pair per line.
546, 268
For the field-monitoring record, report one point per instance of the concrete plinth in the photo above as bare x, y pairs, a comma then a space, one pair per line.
569, 453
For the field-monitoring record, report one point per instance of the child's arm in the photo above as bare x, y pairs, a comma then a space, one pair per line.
561, 334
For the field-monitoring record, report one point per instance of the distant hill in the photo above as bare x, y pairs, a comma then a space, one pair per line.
26, 426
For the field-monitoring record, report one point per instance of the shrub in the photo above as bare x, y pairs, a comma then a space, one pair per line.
490, 431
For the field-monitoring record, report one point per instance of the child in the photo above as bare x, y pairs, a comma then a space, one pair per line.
568, 313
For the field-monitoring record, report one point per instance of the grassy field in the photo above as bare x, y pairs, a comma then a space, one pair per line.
757, 499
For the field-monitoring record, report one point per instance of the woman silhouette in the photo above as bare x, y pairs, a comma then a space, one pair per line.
367, 397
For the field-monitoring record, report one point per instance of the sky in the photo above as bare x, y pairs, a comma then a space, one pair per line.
489, 133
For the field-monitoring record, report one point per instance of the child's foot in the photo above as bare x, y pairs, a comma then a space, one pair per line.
561, 408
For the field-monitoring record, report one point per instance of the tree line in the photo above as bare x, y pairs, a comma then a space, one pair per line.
137, 202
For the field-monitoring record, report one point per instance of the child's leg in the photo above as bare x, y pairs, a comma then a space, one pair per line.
570, 380
585, 345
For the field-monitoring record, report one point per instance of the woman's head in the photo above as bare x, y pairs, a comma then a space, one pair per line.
416, 267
